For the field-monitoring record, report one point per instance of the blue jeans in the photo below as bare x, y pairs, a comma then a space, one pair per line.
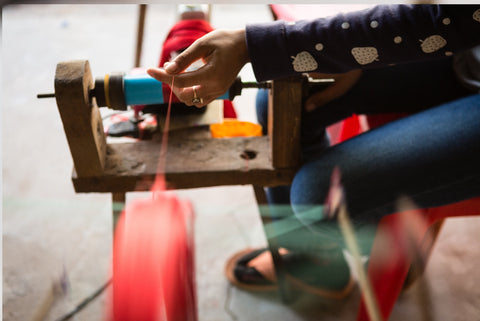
432, 156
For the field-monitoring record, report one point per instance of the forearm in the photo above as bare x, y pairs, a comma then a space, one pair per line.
371, 38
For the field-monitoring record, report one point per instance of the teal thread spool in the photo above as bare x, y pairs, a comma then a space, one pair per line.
142, 90
145, 90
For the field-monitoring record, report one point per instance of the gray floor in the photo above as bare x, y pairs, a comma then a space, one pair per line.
47, 228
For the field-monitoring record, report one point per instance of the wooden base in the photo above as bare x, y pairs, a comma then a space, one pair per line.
193, 160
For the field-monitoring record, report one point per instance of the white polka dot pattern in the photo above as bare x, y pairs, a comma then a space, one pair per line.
476, 15
304, 62
319, 46
365, 55
433, 43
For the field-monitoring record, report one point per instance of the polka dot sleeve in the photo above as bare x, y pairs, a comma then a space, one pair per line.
379, 36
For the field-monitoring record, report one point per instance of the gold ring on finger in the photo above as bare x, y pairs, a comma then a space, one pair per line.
196, 99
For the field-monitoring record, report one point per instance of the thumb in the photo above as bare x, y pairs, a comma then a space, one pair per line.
160, 75
319, 99
181, 62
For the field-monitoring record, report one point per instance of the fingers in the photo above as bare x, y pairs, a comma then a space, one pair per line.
183, 87
318, 99
326, 95
187, 79
192, 96
160, 75
196, 96
198, 50
224, 54
184, 93
343, 83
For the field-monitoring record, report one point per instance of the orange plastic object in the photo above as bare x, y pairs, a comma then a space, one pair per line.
235, 128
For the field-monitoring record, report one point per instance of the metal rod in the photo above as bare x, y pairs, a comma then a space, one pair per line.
252, 84
52, 95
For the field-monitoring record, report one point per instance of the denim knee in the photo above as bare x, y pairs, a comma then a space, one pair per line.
261, 107
309, 190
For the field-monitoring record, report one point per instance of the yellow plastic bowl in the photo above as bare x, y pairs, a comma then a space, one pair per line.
235, 128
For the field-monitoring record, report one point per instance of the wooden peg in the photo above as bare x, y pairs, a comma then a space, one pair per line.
284, 110
81, 117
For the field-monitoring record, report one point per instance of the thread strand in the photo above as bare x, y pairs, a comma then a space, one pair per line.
160, 180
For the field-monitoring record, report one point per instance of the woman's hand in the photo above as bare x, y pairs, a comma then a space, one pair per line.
223, 52
343, 83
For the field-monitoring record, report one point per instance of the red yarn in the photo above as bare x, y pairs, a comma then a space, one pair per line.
153, 255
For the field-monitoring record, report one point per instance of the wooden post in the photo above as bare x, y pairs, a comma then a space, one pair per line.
273, 246
142, 9
284, 118
80, 117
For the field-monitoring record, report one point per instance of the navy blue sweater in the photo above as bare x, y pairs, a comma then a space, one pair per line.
375, 37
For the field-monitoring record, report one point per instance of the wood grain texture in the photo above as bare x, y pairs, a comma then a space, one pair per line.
193, 160
285, 108
81, 119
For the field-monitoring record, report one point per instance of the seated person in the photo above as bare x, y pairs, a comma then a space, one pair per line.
406, 53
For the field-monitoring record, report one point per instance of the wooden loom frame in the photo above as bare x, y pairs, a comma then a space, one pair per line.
193, 158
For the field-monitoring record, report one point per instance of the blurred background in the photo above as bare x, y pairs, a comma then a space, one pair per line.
49, 230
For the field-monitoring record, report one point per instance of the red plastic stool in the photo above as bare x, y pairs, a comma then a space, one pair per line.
392, 256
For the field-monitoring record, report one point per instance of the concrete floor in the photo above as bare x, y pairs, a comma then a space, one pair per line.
48, 228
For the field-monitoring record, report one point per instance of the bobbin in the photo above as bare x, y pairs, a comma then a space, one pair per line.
109, 91
118, 90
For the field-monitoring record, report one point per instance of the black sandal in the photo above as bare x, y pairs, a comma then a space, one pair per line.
336, 286
245, 277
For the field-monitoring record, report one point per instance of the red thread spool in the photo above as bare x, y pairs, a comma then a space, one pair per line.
153, 255
153, 262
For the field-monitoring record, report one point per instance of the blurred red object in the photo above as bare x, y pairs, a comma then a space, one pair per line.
388, 268
153, 262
